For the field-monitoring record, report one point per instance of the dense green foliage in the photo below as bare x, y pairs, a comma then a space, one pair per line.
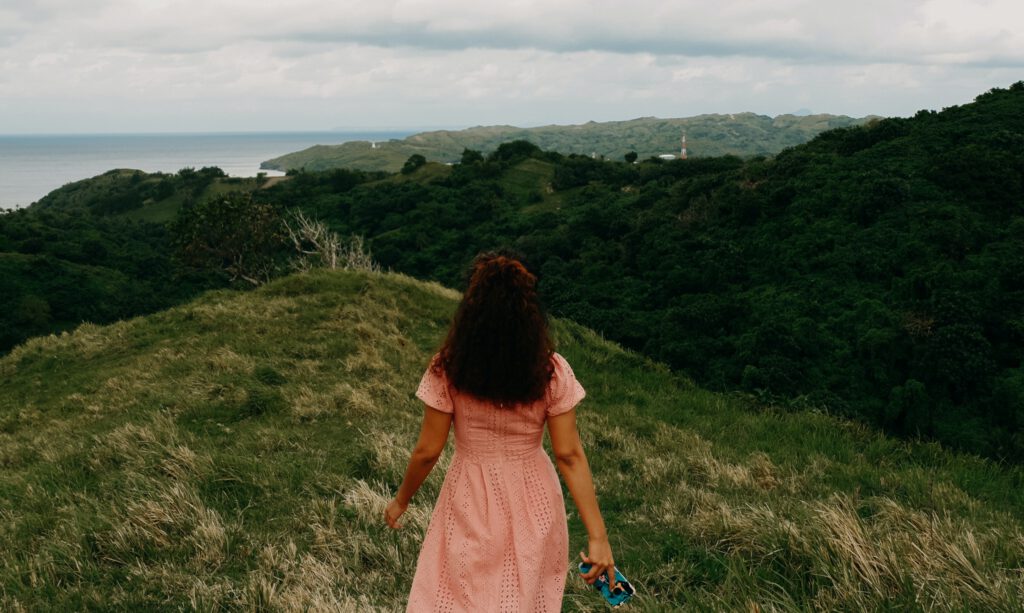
123, 191
874, 272
126, 243
742, 134
231, 233
98, 250
236, 453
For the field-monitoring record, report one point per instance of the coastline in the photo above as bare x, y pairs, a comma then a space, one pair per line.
31, 166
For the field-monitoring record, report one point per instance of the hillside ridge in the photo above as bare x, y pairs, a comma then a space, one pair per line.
710, 134
237, 451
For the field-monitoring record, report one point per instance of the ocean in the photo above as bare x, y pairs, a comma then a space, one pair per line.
32, 166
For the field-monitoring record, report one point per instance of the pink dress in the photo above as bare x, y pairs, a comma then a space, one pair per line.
498, 538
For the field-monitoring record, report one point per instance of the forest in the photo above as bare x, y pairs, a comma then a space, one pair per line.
84, 253
875, 272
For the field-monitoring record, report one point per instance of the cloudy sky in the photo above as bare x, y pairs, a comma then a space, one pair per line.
227, 65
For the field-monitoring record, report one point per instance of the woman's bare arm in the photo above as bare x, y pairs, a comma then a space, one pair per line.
572, 463
433, 437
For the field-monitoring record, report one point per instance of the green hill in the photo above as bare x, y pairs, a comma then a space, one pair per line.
876, 271
742, 134
873, 272
236, 452
133, 195
99, 250
41, 294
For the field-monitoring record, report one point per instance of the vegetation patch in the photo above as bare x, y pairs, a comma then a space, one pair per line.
213, 468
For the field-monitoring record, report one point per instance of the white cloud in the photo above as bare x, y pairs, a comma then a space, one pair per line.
136, 65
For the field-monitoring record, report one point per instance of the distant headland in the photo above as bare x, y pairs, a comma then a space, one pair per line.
741, 134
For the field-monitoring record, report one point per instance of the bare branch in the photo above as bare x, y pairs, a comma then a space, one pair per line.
317, 246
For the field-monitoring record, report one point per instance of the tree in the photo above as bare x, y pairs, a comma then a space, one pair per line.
31, 311
631, 157
471, 156
909, 408
514, 151
231, 233
314, 243
414, 162
317, 246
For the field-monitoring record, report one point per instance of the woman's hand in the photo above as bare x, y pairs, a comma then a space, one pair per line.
393, 512
601, 561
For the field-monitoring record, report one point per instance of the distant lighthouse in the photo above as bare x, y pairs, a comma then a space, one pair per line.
682, 150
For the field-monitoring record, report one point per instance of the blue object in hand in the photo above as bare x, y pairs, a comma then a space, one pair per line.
623, 588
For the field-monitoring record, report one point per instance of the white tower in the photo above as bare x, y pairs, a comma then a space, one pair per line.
682, 150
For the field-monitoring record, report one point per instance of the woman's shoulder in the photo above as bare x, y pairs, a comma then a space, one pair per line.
434, 388
561, 370
559, 360
564, 391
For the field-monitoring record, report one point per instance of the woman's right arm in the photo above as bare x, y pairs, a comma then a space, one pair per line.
572, 463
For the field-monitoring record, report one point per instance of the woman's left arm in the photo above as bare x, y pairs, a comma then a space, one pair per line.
433, 437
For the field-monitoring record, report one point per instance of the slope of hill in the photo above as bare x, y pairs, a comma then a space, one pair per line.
874, 271
101, 249
237, 451
41, 294
134, 195
742, 134
98, 250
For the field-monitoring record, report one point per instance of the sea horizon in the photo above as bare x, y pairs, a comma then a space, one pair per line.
353, 131
33, 165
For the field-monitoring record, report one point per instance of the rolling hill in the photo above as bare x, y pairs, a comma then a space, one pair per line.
235, 452
742, 134
872, 272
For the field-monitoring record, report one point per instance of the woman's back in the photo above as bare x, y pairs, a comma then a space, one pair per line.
486, 432
498, 538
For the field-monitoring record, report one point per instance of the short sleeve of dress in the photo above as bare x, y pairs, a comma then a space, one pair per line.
566, 392
433, 389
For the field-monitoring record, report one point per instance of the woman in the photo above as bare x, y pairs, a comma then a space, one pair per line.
498, 538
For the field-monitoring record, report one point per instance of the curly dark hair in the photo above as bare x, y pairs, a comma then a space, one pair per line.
498, 346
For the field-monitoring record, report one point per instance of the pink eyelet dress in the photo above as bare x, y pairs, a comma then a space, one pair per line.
498, 540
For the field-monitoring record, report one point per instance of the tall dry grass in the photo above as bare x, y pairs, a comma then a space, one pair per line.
237, 452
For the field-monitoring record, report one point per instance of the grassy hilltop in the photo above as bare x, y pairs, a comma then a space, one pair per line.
742, 134
236, 452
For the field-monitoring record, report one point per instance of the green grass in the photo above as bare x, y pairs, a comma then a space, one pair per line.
156, 212
167, 209
388, 156
530, 180
429, 172
236, 452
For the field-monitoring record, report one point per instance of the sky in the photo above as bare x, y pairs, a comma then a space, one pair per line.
93, 66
